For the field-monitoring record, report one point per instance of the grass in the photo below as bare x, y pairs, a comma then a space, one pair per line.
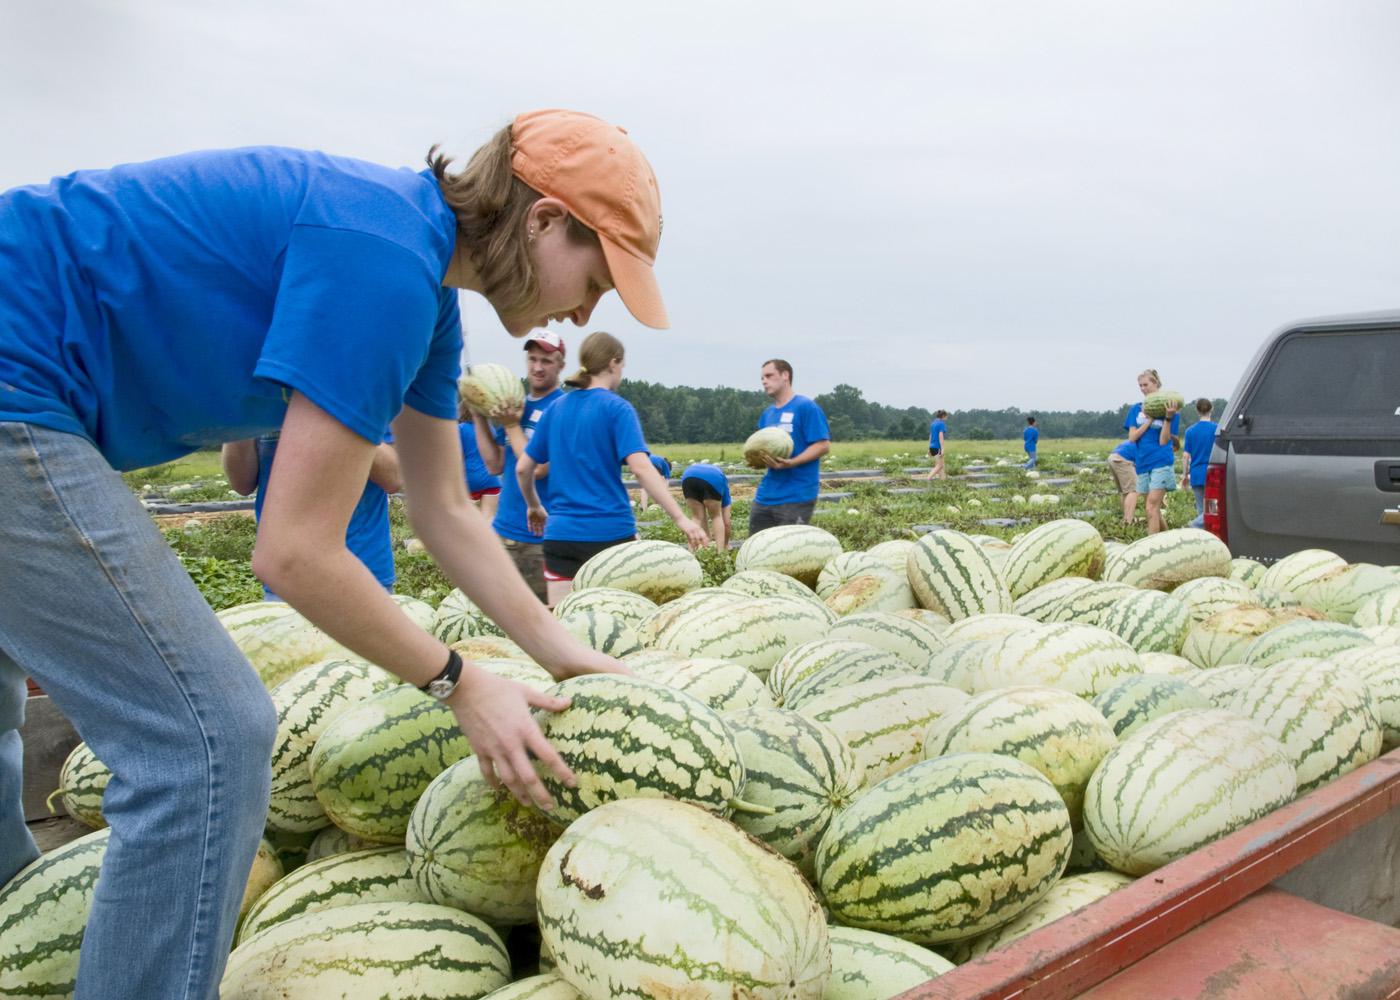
217, 553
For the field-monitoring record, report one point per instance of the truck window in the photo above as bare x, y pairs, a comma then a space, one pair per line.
1328, 385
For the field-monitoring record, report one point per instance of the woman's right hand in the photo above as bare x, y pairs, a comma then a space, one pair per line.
694, 534
508, 414
535, 517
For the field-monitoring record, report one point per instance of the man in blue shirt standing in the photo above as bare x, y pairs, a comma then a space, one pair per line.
788, 492
1030, 436
1196, 448
502, 446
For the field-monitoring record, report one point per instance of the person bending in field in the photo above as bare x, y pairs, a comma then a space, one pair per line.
248, 466
152, 309
584, 437
483, 486
502, 447
1122, 465
788, 491
1029, 438
938, 445
1196, 448
662, 465
1156, 460
706, 491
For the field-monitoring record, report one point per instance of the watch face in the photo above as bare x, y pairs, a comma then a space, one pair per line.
440, 688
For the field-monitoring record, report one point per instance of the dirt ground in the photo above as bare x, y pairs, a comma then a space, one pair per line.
180, 520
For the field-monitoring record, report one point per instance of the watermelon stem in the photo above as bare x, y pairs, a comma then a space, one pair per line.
49, 801
753, 808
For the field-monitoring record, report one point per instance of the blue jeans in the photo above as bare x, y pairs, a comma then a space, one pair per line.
1030, 461
96, 607
1199, 520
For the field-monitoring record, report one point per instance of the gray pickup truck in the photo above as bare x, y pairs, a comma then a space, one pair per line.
1308, 453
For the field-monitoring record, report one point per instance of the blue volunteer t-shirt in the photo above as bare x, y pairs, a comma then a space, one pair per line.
1030, 436
510, 513
367, 534
160, 307
805, 421
1151, 454
711, 474
1128, 450
478, 476
934, 429
662, 466
584, 437
1199, 440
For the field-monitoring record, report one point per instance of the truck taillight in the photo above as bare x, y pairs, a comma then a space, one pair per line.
1214, 517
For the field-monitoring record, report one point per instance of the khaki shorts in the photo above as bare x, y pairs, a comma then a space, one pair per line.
529, 559
1124, 474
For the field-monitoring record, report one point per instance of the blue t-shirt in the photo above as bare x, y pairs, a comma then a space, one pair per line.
805, 421
1199, 440
662, 466
1151, 453
1128, 450
933, 431
584, 437
367, 534
160, 307
711, 474
510, 513
478, 476
1030, 436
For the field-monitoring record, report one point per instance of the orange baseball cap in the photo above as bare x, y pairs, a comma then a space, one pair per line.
596, 170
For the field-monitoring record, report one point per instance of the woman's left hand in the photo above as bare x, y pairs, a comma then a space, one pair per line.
694, 534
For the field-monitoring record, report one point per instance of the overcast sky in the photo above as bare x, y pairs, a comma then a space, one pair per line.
945, 204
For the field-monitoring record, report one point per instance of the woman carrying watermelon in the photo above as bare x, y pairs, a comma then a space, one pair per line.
1155, 460
156, 308
584, 437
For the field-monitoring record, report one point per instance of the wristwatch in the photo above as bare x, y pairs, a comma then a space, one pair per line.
442, 686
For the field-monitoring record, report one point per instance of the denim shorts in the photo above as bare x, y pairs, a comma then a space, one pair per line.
1161, 478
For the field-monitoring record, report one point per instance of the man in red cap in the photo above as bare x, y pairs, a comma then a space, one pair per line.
504, 441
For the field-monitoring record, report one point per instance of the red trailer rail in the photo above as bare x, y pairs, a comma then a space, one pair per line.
1350, 957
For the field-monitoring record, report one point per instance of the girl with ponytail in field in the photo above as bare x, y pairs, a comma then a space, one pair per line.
584, 437
152, 309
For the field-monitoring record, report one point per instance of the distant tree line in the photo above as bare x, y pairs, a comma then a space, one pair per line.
684, 415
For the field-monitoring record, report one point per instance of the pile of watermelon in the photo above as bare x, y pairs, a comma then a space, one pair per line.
836, 775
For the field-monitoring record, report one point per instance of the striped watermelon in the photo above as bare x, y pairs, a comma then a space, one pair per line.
286, 644
752, 631
525, 672
1051, 551
772, 441
844, 567
959, 663
1222, 638
1341, 594
664, 618
243, 620
43, 911
992, 626
978, 839
624, 914
1070, 894
548, 986
1081, 659
866, 664
1039, 603
724, 686
866, 964
421, 613
81, 783
306, 703
877, 589
265, 871
1220, 684
1324, 716
796, 550
1379, 668
488, 387
372, 763
479, 647
894, 553
624, 605
1168, 559
1210, 595
476, 848
768, 583
627, 737
883, 721
1136, 701
924, 616
333, 840
798, 768
377, 875
1278, 600
1246, 571
1302, 638
1382, 635
1179, 783
951, 575
659, 571
801, 662
653, 663
1149, 621
1167, 663
1296, 573
389, 951
1051, 730
602, 631
1086, 605
911, 640
1381, 608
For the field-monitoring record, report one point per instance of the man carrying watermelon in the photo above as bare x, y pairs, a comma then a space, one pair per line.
156, 308
788, 492
502, 446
